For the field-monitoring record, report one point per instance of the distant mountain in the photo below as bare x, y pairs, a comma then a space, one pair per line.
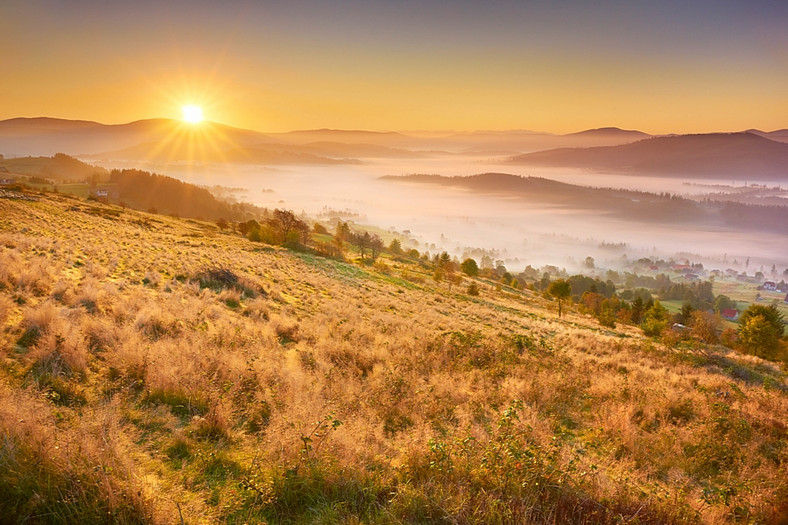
626, 204
386, 138
740, 155
197, 151
781, 135
340, 149
498, 143
611, 134
47, 136
166, 140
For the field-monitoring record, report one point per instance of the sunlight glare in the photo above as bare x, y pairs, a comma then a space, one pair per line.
192, 114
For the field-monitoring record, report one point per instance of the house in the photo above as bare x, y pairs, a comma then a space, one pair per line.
6, 182
102, 193
770, 285
730, 314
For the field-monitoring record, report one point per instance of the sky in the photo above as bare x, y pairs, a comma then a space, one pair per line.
555, 66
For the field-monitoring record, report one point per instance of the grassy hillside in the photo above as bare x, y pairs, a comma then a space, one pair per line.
135, 188
156, 370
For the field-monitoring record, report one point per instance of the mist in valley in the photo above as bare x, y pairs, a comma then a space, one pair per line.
437, 218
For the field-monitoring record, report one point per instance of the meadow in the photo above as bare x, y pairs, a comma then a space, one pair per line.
161, 370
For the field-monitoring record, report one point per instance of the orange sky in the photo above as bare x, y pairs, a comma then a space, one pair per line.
547, 66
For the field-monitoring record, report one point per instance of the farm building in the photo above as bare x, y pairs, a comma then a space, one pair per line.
730, 313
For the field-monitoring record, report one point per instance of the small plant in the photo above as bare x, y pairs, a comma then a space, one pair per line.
312, 441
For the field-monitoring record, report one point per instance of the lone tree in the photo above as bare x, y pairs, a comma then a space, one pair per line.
395, 247
368, 242
288, 227
760, 331
561, 290
376, 246
469, 267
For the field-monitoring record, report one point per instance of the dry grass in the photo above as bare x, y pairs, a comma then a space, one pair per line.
210, 379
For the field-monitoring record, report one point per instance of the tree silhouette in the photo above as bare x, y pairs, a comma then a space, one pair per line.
561, 290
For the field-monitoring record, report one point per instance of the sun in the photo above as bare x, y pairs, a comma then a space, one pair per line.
192, 114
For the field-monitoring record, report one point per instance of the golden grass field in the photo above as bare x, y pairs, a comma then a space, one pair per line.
157, 370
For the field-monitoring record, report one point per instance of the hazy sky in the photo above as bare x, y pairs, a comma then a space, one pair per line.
558, 66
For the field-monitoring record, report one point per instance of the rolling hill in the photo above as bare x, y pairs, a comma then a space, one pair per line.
47, 136
156, 370
164, 140
744, 156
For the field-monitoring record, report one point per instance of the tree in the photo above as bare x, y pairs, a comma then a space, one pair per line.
723, 302
469, 267
638, 306
760, 331
685, 315
705, 326
395, 247
246, 227
363, 241
655, 320
561, 290
304, 231
375, 245
453, 278
222, 223
343, 231
287, 226
603, 309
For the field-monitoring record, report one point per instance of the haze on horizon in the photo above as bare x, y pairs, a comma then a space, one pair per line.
668, 67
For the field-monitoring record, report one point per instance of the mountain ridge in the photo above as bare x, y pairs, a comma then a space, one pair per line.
739, 154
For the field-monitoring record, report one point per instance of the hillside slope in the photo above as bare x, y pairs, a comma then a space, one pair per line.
156, 370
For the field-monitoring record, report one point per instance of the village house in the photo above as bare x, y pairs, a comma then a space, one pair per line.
770, 286
730, 314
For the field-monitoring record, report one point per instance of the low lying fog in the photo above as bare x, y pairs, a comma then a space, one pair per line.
444, 218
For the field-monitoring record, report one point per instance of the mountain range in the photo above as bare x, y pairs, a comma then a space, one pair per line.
752, 154
740, 155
